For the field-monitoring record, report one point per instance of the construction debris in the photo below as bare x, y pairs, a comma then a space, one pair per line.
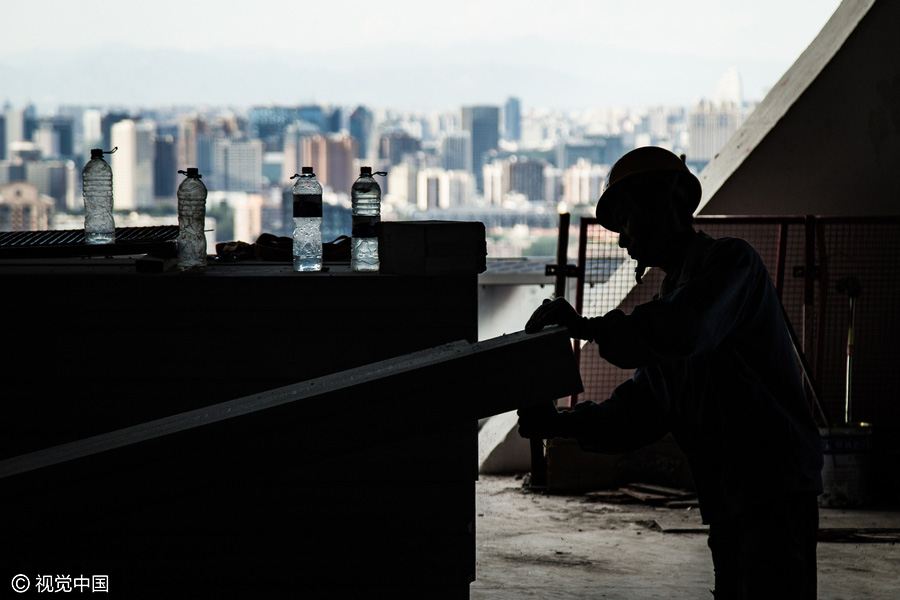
655, 495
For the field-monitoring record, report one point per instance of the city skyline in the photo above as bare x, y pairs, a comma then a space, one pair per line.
580, 54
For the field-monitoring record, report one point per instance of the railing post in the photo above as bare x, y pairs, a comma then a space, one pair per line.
809, 283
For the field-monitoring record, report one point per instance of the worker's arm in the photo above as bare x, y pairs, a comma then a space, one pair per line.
694, 318
631, 418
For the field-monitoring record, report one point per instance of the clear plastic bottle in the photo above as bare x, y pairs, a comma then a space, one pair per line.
191, 222
365, 196
307, 194
96, 179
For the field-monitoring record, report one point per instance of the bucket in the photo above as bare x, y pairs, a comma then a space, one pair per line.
847, 472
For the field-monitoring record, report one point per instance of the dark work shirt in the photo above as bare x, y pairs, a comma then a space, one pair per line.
715, 365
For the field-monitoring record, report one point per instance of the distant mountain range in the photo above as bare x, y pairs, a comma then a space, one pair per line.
393, 75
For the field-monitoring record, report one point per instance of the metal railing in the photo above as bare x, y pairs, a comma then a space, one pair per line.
815, 263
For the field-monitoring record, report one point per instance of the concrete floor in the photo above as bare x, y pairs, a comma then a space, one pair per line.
534, 545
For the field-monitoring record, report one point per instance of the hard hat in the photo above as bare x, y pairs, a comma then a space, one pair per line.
641, 161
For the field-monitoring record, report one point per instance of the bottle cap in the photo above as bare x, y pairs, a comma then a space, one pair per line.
192, 172
306, 170
365, 170
96, 153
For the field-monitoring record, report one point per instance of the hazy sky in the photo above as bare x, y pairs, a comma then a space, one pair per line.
759, 37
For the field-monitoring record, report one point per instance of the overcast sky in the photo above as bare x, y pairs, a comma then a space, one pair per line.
761, 38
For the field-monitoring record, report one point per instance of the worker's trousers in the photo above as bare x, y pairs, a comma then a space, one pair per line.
769, 552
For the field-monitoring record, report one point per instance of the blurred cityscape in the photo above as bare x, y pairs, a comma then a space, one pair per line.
509, 165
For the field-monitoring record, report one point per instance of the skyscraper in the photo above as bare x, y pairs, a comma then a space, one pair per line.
332, 158
55, 179
525, 177
294, 154
3, 154
710, 125
361, 122
165, 167
24, 208
237, 165
396, 146
456, 151
512, 120
483, 124
92, 132
132, 163
56, 137
13, 128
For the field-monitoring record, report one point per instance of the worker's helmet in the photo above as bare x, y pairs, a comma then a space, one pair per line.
649, 160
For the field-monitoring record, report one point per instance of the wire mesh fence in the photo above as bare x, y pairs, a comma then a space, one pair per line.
812, 261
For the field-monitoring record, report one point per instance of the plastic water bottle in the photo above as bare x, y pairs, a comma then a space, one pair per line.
307, 221
191, 221
96, 179
365, 196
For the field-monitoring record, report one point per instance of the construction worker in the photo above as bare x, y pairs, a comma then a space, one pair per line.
715, 366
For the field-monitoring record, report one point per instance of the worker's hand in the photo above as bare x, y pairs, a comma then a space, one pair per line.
540, 421
558, 312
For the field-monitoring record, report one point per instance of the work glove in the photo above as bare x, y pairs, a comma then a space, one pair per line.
539, 421
559, 312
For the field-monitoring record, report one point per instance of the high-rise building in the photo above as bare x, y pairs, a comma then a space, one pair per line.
106, 123
269, 123
458, 187
583, 182
395, 147
333, 159
55, 179
492, 182
237, 165
315, 114
428, 188
165, 167
12, 171
439, 189
24, 208
514, 175
710, 126
483, 124
456, 151
91, 132
403, 184
525, 177
598, 149
294, 157
553, 184
361, 123
13, 129
132, 163
3, 154
512, 120
56, 137
189, 129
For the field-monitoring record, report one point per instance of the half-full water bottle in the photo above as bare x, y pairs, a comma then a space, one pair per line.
307, 194
365, 196
96, 180
191, 222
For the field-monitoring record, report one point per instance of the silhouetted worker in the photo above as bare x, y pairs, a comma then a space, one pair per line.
715, 366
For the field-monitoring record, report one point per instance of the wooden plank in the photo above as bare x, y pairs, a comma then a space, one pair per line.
453, 383
669, 492
644, 496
